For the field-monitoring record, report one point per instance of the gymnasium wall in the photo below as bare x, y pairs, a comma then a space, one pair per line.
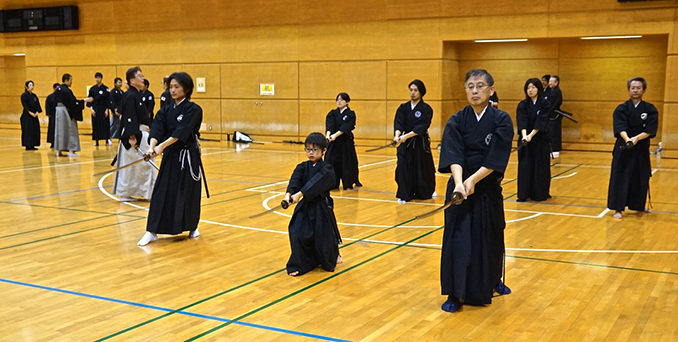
312, 50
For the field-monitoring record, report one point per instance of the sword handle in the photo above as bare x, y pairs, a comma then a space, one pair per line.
284, 204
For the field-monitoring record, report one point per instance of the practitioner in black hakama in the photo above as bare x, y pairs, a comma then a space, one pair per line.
101, 124
534, 165
314, 235
30, 125
476, 146
555, 126
635, 123
50, 111
175, 204
148, 99
339, 126
166, 97
415, 172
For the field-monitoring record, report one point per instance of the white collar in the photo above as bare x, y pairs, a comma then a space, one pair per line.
479, 116
636, 105
414, 105
176, 104
342, 111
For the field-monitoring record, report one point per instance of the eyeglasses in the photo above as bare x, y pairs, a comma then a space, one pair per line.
479, 87
314, 150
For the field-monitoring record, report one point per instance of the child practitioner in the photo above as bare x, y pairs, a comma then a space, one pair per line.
314, 236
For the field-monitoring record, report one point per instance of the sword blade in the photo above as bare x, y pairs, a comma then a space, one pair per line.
457, 198
380, 147
267, 211
119, 168
148, 159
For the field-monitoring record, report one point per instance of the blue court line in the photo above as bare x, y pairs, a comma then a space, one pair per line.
186, 313
57, 194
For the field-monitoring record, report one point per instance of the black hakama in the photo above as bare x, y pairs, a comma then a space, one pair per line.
631, 169
473, 240
116, 98
175, 204
534, 165
341, 152
30, 126
555, 126
415, 172
50, 111
101, 126
314, 235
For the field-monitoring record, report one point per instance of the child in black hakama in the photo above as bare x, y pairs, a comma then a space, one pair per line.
314, 235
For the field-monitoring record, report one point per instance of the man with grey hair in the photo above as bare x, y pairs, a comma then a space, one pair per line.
635, 122
476, 146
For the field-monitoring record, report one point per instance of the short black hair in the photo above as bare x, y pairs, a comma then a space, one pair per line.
98, 74
27, 83
55, 85
131, 73
66, 77
316, 139
478, 73
185, 81
556, 77
420, 85
343, 96
535, 82
546, 77
117, 79
147, 83
165, 80
636, 79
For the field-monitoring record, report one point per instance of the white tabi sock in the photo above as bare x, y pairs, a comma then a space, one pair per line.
147, 238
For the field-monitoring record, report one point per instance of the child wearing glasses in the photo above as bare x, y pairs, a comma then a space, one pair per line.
314, 235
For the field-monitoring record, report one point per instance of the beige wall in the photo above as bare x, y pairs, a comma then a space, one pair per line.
313, 50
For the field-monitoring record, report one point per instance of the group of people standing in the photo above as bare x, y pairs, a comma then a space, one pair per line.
104, 105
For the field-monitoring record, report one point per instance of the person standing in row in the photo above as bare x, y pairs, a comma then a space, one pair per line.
148, 99
534, 165
635, 123
50, 111
339, 126
476, 147
555, 127
137, 180
116, 99
175, 205
68, 113
166, 97
30, 125
101, 125
415, 172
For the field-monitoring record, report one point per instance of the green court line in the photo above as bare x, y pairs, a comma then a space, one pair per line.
562, 261
68, 234
57, 226
235, 288
73, 209
252, 312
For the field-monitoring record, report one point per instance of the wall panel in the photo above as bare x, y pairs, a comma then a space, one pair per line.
241, 81
324, 80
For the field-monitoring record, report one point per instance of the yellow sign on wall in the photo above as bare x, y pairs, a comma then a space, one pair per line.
267, 89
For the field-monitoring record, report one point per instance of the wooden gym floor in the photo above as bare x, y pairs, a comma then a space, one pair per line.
71, 270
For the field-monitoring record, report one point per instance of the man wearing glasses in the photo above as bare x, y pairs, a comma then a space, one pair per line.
476, 146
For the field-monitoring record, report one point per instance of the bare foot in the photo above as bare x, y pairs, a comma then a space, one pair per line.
294, 274
339, 259
617, 215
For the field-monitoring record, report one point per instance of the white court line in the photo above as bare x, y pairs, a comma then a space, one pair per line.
392, 242
377, 163
568, 176
603, 213
219, 152
54, 166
